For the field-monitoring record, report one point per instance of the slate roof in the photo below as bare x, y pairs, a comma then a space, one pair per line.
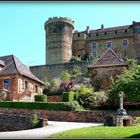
111, 29
13, 65
109, 58
2, 63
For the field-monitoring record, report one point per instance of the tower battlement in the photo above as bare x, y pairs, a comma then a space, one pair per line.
52, 20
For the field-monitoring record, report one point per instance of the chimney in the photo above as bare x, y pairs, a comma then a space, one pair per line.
102, 26
133, 22
87, 29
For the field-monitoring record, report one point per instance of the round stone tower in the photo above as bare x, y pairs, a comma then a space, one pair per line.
59, 34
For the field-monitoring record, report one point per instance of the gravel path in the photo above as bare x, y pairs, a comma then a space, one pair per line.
44, 132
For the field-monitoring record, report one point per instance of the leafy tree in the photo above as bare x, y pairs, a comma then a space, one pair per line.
129, 82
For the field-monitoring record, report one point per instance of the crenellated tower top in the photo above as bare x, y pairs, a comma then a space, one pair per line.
59, 20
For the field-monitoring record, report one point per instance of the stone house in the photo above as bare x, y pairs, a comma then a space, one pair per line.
17, 83
108, 65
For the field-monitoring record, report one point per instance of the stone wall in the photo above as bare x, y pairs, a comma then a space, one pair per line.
53, 71
11, 122
103, 74
70, 116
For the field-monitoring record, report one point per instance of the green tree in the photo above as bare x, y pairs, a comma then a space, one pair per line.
129, 82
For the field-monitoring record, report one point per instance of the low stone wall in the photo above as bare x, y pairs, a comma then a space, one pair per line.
54, 98
70, 116
13, 121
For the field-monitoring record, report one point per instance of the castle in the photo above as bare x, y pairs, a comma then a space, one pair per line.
62, 43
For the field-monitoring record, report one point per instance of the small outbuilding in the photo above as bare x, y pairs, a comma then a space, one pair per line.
108, 66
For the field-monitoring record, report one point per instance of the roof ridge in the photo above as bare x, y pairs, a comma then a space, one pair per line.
13, 56
116, 55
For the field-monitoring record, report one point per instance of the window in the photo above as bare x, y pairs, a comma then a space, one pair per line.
125, 42
36, 89
94, 54
105, 33
78, 34
97, 34
115, 32
54, 29
7, 84
94, 45
109, 44
26, 85
137, 29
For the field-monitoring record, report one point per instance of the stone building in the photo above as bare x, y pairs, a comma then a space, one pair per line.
108, 65
59, 33
62, 43
124, 40
17, 83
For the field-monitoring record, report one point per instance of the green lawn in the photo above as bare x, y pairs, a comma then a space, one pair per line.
100, 132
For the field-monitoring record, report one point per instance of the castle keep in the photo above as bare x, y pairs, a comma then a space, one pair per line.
62, 43
59, 33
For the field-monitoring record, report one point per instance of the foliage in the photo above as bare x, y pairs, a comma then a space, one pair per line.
101, 97
75, 59
68, 96
66, 85
86, 57
137, 121
65, 75
52, 87
128, 82
76, 72
34, 120
66, 106
100, 132
132, 63
96, 84
86, 97
41, 98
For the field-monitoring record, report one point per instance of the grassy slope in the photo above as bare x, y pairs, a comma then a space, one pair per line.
101, 132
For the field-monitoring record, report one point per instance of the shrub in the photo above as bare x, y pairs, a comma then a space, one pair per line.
34, 120
86, 97
66, 106
75, 106
41, 98
128, 82
68, 96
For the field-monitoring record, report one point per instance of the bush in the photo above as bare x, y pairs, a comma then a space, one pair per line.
68, 96
128, 82
65, 106
34, 120
86, 97
41, 98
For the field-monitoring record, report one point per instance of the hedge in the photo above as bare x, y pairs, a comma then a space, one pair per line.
68, 96
40, 98
66, 106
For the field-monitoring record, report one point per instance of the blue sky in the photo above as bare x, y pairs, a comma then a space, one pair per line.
22, 24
